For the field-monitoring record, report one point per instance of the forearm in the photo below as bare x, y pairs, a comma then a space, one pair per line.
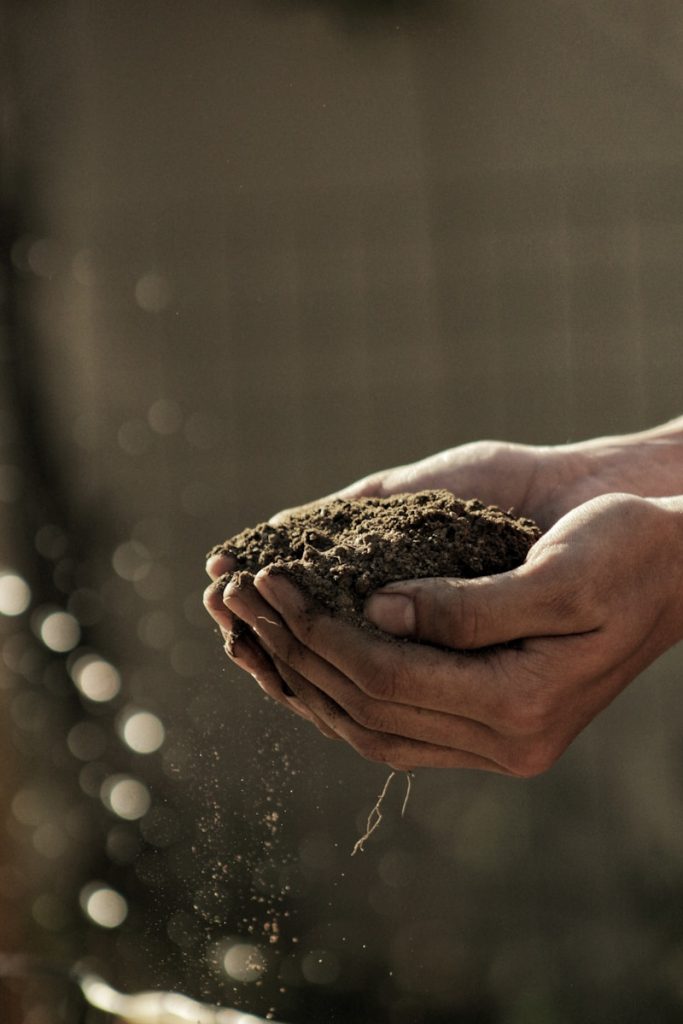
649, 464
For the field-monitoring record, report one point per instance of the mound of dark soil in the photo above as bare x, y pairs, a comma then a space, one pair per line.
339, 551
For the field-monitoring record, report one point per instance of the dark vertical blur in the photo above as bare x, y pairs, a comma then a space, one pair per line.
252, 251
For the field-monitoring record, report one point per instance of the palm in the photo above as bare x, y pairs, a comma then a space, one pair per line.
543, 483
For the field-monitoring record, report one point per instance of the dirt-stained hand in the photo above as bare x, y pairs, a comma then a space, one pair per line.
598, 599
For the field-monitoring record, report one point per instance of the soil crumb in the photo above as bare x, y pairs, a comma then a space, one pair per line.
339, 551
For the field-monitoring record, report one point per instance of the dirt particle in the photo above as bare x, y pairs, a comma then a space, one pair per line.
340, 551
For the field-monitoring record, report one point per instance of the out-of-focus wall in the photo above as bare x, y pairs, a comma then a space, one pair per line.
266, 248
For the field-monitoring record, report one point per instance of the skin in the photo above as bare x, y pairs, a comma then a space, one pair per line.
599, 597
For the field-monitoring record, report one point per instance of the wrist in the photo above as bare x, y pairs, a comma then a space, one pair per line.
648, 464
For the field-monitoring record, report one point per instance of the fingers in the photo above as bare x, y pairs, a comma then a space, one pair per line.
398, 752
430, 727
220, 565
249, 606
248, 653
469, 614
321, 648
491, 712
433, 727
245, 650
216, 607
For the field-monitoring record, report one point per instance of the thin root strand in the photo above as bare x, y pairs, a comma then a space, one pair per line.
375, 815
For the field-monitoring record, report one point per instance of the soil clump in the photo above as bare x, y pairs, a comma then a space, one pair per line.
341, 550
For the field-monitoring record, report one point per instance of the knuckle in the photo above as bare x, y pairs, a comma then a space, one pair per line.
285, 648
449, 607
370, 715
381, 681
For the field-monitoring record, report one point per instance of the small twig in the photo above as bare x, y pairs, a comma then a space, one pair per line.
375, 815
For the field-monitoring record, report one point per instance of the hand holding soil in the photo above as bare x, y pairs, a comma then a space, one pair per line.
597, 600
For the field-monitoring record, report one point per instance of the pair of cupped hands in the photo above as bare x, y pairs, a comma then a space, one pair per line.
509, 668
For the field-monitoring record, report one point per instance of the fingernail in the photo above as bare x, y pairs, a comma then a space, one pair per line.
393, 613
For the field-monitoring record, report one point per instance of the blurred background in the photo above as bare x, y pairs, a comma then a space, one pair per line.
251, 251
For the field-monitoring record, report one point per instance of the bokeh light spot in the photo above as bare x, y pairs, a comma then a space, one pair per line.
131, 560
126, 797
152, 293
244, 962
96, 678
44, 257
30, 806
165, 416
103, 905
15, 594
134, 437
50, 840
60, 631
50, 541
142, 731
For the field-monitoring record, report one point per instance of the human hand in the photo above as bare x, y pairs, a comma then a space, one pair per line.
541, 482
598, 599
498, 472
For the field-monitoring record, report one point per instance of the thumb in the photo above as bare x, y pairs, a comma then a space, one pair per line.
464, 614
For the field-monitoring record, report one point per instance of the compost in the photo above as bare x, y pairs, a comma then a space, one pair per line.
340, 550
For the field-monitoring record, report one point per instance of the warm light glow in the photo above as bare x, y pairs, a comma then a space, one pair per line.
96, 678
131, 560
50, 840
157, 1007
60, 632
244, 962
143, 732
103, 905
126, 797
15, 594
